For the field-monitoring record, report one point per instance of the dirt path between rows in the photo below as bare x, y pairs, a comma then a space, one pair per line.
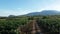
31, 28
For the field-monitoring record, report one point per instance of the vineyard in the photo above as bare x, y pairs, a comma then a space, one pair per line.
51, 25
10, 25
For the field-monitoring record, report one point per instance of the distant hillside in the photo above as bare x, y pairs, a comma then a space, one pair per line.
45, 12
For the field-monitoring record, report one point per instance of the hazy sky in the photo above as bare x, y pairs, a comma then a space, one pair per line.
19, 7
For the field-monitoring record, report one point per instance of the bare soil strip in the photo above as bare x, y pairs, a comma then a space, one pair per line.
31, 28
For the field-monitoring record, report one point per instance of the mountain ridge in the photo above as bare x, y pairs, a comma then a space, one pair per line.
44, 12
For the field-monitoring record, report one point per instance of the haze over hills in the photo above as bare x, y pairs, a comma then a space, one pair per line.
45, 12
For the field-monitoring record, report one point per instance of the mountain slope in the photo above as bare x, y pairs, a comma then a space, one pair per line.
44, 12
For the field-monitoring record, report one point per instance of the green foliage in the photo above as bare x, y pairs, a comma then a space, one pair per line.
49, 25
9, 25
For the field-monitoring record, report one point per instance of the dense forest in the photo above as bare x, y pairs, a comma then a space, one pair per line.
9, 25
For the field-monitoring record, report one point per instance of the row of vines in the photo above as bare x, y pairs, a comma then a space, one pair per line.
49, 24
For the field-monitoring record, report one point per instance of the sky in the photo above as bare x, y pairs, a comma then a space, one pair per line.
21, 7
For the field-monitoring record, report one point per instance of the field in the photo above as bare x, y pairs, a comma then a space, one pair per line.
10, 25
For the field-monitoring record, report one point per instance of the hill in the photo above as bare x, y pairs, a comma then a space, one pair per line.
44, 12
